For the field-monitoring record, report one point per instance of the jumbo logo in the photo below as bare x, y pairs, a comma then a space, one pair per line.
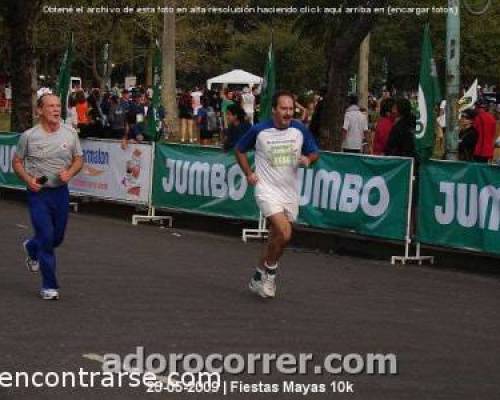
469, 205
6, 155
203, 179
348, 193
330, 190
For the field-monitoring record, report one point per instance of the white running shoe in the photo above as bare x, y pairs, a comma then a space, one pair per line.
265, 287
31, 265
49, 294
255, 286
269, 284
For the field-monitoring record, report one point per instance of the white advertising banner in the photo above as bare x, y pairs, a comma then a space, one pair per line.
113, 173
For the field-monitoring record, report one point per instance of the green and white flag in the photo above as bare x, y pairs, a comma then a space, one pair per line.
469, 98
154, 122
64, 78
428, 96
268, 86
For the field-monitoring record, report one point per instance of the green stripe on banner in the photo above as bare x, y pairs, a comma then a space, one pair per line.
8, 143
367, 195
459, 206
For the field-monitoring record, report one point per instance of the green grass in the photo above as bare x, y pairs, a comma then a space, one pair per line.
4, 122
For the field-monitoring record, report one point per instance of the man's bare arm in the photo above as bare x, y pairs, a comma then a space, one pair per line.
18, 166
309, 159
245, 166
73, 169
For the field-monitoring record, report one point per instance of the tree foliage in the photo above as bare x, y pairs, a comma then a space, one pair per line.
310, 49
300, 65
209, 45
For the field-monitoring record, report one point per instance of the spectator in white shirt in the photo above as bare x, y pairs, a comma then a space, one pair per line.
355, 130
196, 100
8, 98
248, 104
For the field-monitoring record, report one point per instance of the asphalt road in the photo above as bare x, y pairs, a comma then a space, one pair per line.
182, 291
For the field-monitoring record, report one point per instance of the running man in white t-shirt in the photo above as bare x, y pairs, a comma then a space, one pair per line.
281, 146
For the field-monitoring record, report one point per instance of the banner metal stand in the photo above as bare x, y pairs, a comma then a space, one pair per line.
260, 233
417, 257
151, 209
74, 206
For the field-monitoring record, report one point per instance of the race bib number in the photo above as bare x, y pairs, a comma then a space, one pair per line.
283, 155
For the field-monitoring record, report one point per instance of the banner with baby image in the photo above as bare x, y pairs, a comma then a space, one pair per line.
113, 173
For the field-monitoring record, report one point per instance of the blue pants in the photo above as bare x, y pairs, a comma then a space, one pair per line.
49, 214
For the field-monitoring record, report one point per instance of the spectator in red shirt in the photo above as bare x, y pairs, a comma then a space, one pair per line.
485, 125
383, 127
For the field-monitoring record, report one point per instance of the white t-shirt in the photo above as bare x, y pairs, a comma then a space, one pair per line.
247, 102
8, 93
196, 101
71, 117
355, 123
277, 152
441, 120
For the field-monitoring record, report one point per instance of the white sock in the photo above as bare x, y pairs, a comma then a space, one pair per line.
271, 269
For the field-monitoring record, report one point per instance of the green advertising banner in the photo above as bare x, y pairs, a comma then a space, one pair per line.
459, 206
367, 195
8, 143
201, 180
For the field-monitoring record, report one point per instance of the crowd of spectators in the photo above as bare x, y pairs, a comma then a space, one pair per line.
220, 117
391, 130
117, 114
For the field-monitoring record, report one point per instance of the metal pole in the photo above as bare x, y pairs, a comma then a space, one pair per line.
410, 209
452, 78
151, 208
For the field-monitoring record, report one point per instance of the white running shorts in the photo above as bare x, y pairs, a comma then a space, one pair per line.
270, 207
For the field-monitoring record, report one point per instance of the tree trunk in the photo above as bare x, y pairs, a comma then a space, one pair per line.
106, 76
21, 19
342, 51
95, 72
342, 46
34, 88
150, 54
332, 119
149, 65
363, 72
168, 93
108, 61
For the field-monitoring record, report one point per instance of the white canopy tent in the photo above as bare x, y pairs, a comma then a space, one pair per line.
235, 77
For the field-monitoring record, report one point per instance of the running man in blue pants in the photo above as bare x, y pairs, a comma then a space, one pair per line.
47, 157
